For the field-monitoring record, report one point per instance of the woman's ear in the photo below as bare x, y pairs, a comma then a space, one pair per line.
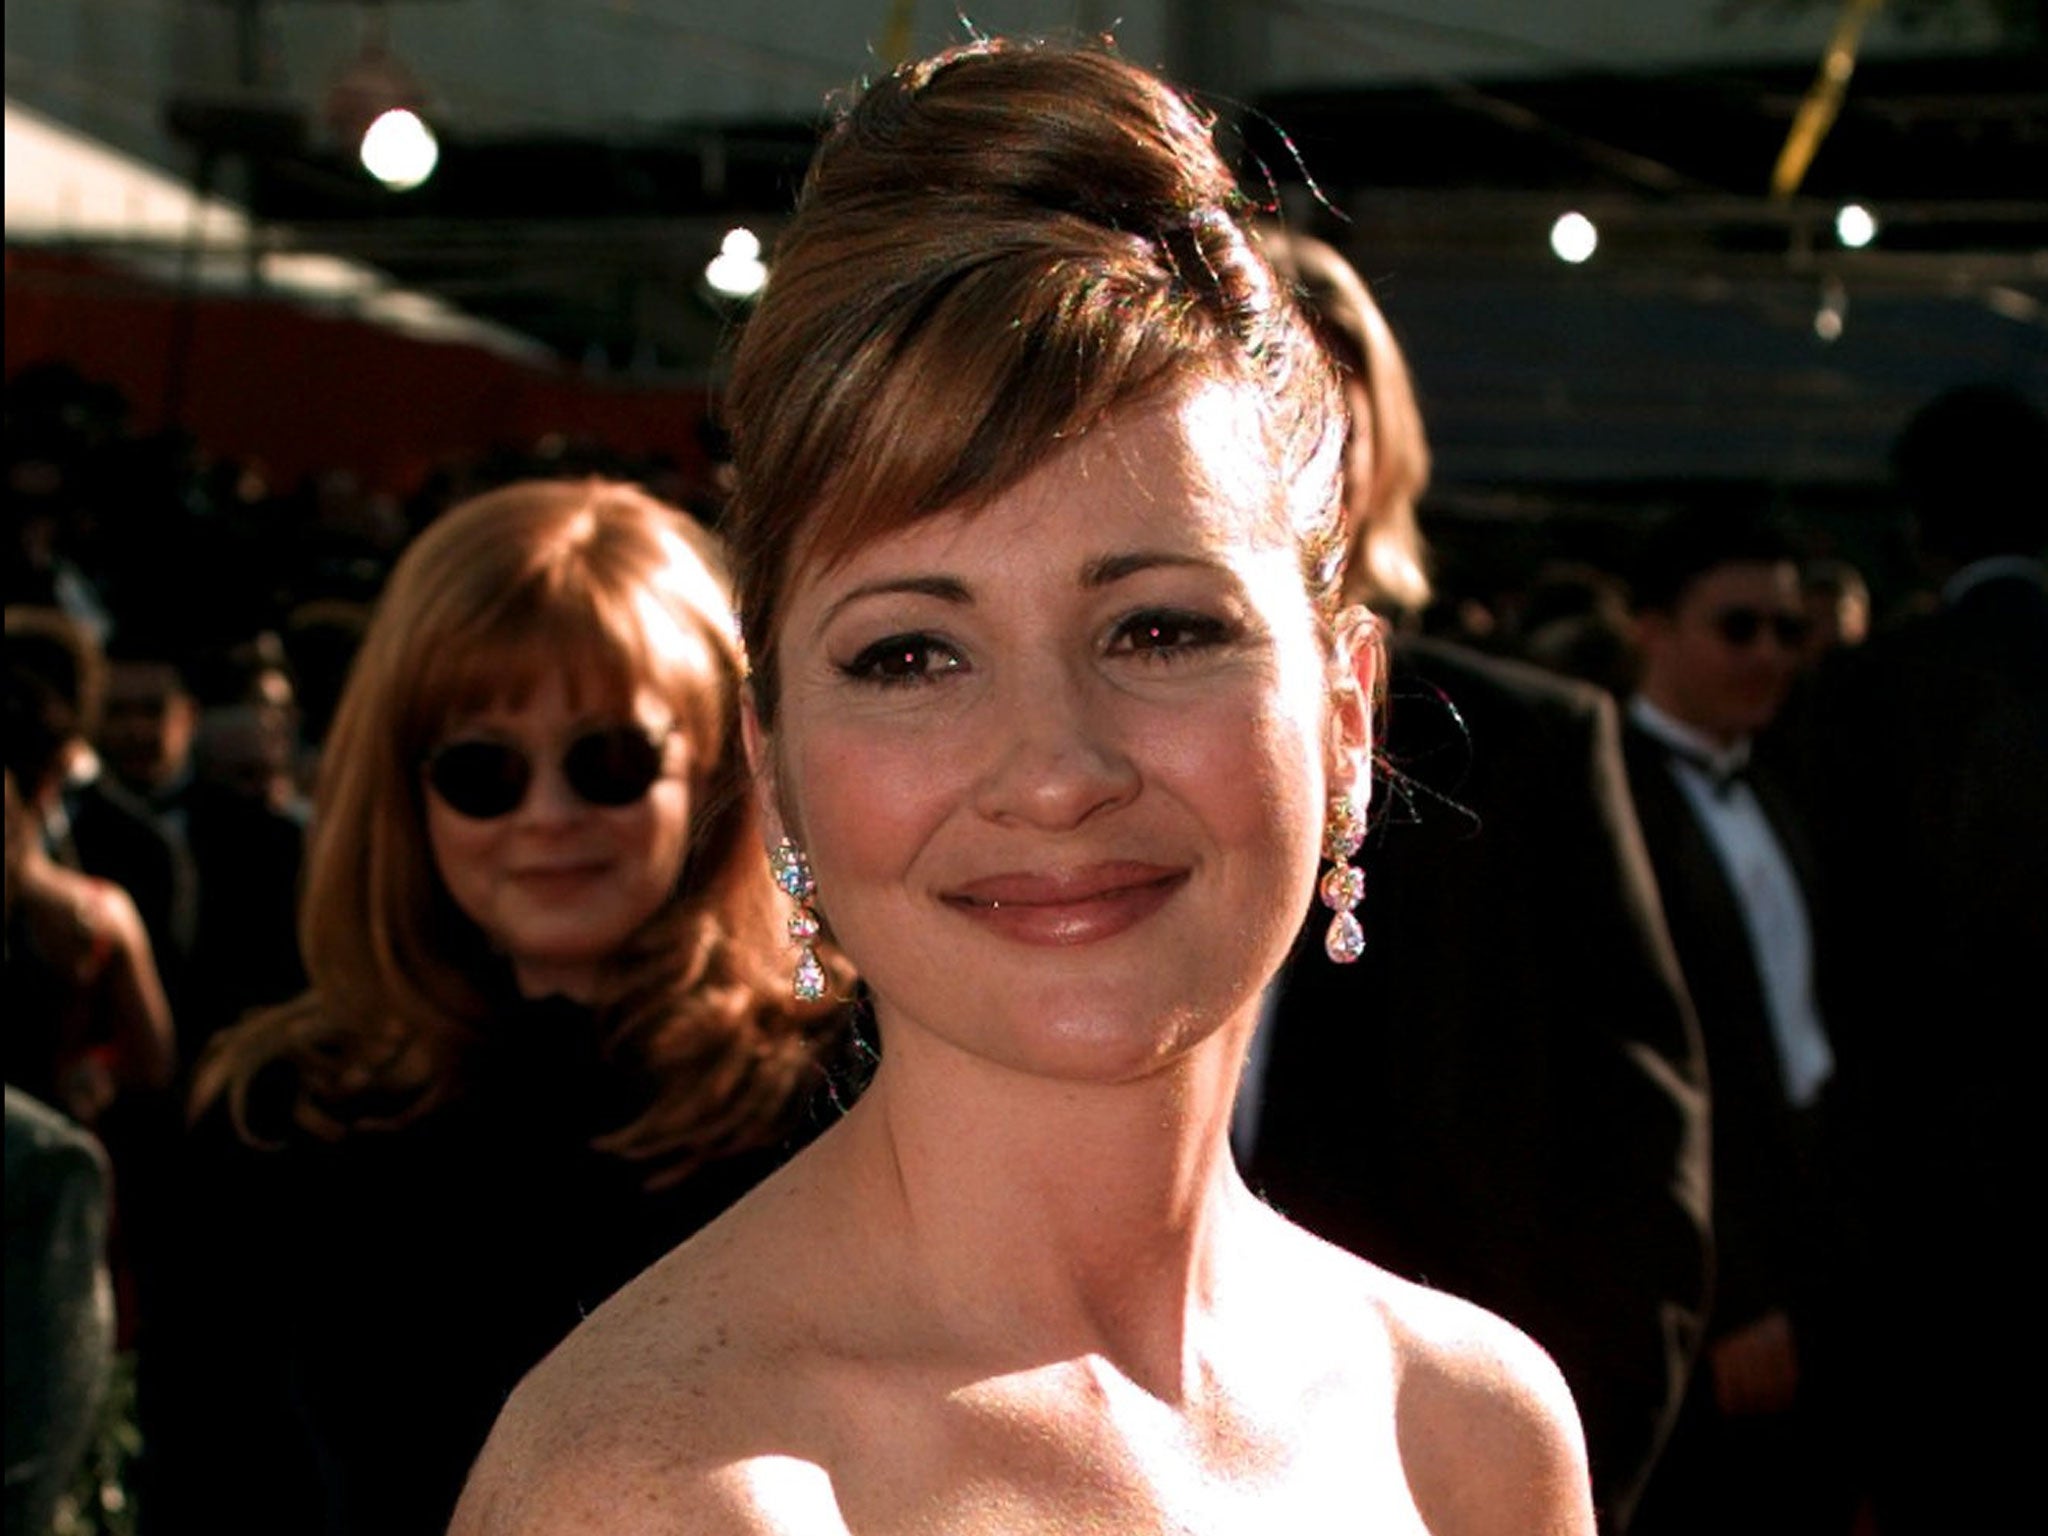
1357, 655
761, 768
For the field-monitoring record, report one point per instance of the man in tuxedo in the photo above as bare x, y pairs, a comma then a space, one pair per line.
1504, 1096
210, 769
1720, 624
1932, 745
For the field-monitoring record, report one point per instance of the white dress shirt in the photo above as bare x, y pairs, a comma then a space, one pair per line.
1767, 890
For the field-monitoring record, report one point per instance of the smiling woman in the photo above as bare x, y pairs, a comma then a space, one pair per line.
1054, 706
550, 1030
1058, 762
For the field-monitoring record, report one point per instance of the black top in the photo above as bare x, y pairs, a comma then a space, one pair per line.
343, 1320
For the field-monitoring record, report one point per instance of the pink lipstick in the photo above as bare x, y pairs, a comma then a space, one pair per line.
1066, 907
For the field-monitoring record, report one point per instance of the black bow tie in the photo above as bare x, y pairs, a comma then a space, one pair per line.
1722, 776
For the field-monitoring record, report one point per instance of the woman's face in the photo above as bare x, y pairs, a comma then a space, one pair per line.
1061, 764
557, 884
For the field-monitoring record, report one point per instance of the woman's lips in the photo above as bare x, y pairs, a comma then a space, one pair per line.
1068, 907
558, 876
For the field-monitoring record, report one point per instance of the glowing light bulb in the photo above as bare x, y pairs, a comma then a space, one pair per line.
1855, 225
737, 271
400, 150
1832, 313
1574, 237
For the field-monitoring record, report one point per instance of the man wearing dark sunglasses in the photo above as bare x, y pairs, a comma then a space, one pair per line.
1719, 625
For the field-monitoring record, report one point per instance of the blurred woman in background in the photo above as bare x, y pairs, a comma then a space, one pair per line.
88, 1023
550, 1030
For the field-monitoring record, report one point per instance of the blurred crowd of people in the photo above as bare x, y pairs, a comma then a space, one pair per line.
178, 641
1690, 1034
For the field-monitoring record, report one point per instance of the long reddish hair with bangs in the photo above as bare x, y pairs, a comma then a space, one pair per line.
606, 581
994, 249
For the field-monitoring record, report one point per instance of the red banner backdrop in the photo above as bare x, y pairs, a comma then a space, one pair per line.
300, 391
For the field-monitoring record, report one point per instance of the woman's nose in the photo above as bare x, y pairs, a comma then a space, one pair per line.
1056, 752
549, 798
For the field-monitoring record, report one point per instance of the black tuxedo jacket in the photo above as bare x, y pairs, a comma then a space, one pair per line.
1932, 797
1773, 1225
1931, 794
1504, 1097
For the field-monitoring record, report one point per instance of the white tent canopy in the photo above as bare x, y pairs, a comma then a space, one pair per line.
64, 189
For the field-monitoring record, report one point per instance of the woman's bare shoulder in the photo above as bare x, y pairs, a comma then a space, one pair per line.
762, 1494
766, 1494
78, 920
650, 1417
1490, 1437
660, 1414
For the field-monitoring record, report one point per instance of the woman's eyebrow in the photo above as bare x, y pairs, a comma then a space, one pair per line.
947, 589
1106, 570
1102, 571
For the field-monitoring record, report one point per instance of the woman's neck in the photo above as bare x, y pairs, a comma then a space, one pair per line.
1057, 1219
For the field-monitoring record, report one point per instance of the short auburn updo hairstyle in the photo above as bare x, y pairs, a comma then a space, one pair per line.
995, 248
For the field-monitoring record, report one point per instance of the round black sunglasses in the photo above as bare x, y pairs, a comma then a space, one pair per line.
483, 780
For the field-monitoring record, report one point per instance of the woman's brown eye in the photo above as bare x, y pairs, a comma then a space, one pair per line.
902, 659
1168, 633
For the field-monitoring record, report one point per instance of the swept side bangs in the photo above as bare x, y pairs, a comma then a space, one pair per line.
931, 409
958, 416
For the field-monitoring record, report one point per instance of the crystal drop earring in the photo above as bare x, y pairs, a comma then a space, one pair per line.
794, 878
1343, 886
